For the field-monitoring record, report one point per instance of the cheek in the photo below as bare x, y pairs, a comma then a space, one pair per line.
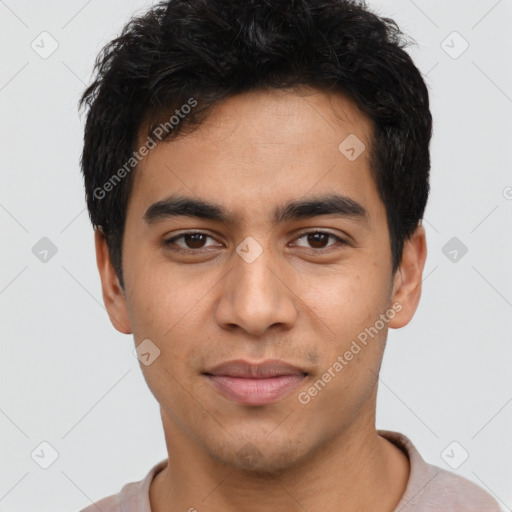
352, 347
349, 303
160, 297
347, 299
170, 308
171, 322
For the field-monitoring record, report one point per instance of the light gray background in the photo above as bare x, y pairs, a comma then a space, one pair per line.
68, 378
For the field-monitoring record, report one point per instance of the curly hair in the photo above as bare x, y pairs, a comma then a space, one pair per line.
209, 50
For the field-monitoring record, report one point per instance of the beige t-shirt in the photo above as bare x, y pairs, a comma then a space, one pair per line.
428, 489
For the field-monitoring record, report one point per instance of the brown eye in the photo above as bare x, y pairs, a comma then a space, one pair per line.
319, 239
195, 240
190, 242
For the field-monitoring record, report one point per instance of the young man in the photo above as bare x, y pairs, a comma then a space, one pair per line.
257, 174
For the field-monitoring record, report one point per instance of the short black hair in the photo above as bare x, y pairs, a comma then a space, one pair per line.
195, 53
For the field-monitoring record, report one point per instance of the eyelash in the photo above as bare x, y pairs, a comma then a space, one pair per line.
170, 241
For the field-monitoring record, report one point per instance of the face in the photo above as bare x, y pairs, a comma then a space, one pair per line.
290, 262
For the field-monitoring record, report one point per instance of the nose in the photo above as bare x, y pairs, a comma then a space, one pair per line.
257, 295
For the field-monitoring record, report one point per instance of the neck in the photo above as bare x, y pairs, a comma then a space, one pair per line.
358, 469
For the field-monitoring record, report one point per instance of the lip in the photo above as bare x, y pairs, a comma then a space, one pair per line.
255, 383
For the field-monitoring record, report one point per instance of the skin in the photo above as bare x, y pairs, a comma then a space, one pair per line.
254, 152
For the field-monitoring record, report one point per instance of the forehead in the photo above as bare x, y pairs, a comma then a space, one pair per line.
264, 145
286, 109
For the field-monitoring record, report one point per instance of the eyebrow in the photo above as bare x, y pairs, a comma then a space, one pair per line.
331, 204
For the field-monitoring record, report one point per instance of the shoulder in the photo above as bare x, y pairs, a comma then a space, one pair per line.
109, 504
431, 488
133, 497
458, 493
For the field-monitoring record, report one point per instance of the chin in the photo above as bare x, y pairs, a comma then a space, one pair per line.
258, 456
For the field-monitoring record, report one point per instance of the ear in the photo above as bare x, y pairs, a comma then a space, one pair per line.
408, 278
113, 295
